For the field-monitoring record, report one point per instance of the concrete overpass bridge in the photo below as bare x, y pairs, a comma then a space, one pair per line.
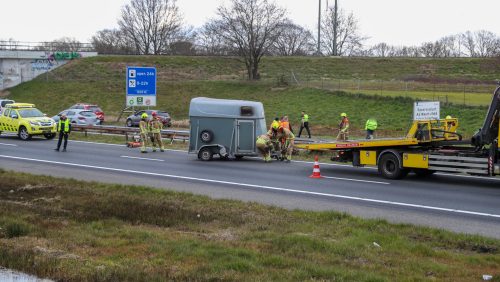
18, 65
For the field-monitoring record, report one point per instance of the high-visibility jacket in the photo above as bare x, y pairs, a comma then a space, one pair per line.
144, 127
286, 135
371, 124
344, 124
64, 125
264, 139
305, 118
155, 125
285, 124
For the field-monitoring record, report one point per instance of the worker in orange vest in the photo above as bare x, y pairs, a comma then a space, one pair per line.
343, 128
286, 123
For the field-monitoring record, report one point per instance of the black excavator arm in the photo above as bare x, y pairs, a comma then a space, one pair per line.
487, 134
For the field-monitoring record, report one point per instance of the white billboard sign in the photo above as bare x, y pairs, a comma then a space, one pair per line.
426, 110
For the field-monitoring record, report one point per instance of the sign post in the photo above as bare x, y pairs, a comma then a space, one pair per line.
141, 86
426, 110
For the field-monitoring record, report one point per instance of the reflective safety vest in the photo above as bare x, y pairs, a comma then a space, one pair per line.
371, 124
64, 124
344, 124
285, 124
143, 125
264, 139
155, 126
305, 118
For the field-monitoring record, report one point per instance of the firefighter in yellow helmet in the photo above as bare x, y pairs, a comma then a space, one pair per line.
287, 139
343, 128
144, 129
273, 135
155, 126
264, 144
450, 126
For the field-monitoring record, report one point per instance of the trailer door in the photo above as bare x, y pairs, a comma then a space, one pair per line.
245, 137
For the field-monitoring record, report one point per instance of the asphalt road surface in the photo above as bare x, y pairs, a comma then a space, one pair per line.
459, 203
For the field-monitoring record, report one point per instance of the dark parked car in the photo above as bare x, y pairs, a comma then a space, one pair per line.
90, 107
133, 120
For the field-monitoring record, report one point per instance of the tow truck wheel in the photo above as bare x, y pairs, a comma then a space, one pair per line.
49, 136
389, 167
23, 133
205, 154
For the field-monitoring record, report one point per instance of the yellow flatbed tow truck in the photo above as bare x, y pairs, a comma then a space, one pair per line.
429, 146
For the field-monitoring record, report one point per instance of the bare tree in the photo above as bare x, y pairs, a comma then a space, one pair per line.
469, 44
381, 50
64, 44
150, 24
450, 46
293, 41
249, 26
341, 33
112, 41
487, 43
211, 43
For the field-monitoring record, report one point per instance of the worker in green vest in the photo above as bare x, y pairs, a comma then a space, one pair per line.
64, 128
144, 129
304, 123
371, 125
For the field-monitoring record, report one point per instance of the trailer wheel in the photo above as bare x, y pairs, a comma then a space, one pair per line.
206, 136
390, 167
205, 154
422, 172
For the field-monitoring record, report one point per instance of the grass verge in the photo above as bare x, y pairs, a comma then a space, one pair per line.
86, 231
101, 80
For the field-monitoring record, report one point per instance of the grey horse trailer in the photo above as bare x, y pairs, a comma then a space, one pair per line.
227, 128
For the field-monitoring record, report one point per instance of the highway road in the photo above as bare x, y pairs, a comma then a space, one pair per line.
458, 203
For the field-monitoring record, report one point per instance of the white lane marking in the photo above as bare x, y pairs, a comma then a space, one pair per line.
468, 176
119, 145
146, 159
264, 187
308, 162
98, 143
357, 180
7, 144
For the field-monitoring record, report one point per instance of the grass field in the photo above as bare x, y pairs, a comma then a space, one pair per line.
393, 114
85, 231
101, 80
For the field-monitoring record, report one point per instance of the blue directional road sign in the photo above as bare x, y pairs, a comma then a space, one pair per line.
141, 86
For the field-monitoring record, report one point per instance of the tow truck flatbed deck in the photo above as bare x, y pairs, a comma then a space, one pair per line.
361, 143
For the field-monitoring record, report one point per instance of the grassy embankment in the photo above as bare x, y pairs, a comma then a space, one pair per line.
84, 231
101, 80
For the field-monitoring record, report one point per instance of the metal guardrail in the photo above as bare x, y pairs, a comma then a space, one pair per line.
129, 132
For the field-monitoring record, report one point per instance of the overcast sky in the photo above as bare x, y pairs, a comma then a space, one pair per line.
397, 22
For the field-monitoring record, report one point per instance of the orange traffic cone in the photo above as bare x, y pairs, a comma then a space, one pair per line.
316, 172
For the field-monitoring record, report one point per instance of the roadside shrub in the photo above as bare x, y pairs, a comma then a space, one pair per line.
16, 229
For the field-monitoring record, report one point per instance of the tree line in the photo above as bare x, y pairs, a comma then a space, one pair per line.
251, 29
